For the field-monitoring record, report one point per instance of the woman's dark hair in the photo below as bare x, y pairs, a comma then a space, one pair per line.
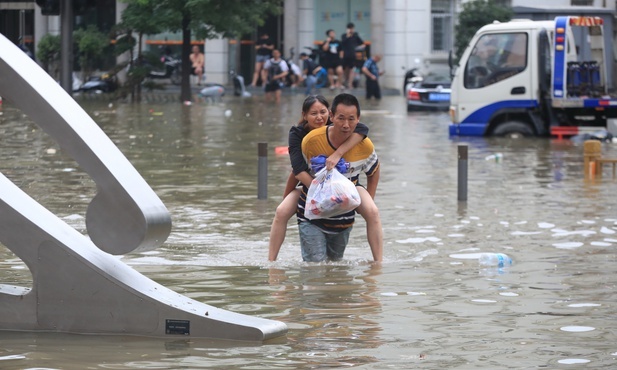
345, 99
308, 103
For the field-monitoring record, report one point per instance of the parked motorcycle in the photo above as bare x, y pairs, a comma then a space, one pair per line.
105, 83
239, 87
172, 69
169, 67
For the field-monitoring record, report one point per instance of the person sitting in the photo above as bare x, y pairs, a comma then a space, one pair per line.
310, 69
197, 64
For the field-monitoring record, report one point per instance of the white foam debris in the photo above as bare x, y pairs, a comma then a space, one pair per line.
465, 256
560, 232
606, 230
515, 233
578, 305
572, 361
545, 225
418, 240
600, 244
577, 329
568, 245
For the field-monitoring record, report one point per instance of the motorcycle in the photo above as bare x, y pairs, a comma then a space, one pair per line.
169, 67
173, 70
105, 83
239, 87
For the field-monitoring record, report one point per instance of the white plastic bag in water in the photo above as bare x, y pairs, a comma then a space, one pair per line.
330, 194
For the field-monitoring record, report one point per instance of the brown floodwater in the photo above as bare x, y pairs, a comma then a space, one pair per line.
429, 305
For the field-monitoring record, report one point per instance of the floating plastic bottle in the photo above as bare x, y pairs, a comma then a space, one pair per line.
497, 157
495, 260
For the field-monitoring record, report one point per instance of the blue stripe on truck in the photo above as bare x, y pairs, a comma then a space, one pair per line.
475, 124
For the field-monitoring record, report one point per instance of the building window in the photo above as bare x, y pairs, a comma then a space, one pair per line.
442, 24
581, 2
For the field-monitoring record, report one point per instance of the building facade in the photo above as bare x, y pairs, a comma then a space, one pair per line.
409, 34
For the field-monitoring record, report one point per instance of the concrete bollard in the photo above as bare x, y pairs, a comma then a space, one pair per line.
262, 171
462, 172
592, 151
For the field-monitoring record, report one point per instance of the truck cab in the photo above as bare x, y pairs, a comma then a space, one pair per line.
527, 78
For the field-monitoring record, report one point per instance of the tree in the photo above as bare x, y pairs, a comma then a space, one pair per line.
474, 15
91, 45
143, 18
208, 19
48, 53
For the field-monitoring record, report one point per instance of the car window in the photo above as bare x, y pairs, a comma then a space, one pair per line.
494, 58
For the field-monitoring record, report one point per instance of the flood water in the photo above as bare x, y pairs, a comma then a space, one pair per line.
429, 305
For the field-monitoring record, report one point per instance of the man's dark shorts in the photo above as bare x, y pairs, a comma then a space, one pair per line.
349, 62
272, 86
331, 62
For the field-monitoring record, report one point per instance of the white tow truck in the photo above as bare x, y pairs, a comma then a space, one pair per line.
530, 78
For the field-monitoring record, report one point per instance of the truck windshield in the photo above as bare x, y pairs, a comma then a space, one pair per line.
496, 57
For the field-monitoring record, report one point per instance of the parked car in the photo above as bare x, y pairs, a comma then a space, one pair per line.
431, 91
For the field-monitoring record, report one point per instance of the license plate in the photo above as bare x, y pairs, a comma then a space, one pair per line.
438, 97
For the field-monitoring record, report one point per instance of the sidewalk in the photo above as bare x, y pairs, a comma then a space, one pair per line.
171, 93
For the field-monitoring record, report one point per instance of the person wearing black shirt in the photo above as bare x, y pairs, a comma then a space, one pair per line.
331, 48
263, 47
350, 43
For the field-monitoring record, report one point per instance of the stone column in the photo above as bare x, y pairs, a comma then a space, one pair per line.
216, 52
290, 27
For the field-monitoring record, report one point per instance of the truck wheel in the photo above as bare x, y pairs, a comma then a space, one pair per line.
513, 130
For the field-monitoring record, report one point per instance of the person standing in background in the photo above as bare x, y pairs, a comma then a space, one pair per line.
350, 43
264, 47
274, 73
372, 73
332, 60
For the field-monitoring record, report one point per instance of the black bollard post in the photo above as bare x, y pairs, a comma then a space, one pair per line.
462, 172
262, 171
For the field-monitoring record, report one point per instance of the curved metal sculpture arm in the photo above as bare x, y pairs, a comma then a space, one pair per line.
125, 215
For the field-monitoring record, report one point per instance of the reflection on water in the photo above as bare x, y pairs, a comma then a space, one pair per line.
429, 305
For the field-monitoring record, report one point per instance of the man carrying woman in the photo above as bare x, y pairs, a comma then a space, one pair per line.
316, 114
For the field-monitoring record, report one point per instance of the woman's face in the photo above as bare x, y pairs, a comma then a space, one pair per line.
316, 116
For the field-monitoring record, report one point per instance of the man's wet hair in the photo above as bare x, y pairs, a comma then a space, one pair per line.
345, 99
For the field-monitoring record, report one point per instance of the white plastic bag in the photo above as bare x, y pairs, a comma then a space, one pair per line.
330, 194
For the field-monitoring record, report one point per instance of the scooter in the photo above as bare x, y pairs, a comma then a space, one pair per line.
239, 87
100, 84
172, 70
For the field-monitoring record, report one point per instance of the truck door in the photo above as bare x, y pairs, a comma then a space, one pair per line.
497, 76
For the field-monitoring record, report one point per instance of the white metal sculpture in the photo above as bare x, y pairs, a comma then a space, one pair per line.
78, 285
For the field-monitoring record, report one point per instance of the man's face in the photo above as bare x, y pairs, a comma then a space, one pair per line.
345, 119
276, 54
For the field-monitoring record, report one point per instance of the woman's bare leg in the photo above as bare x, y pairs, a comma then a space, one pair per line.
374, 232
283, 213
258, 68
